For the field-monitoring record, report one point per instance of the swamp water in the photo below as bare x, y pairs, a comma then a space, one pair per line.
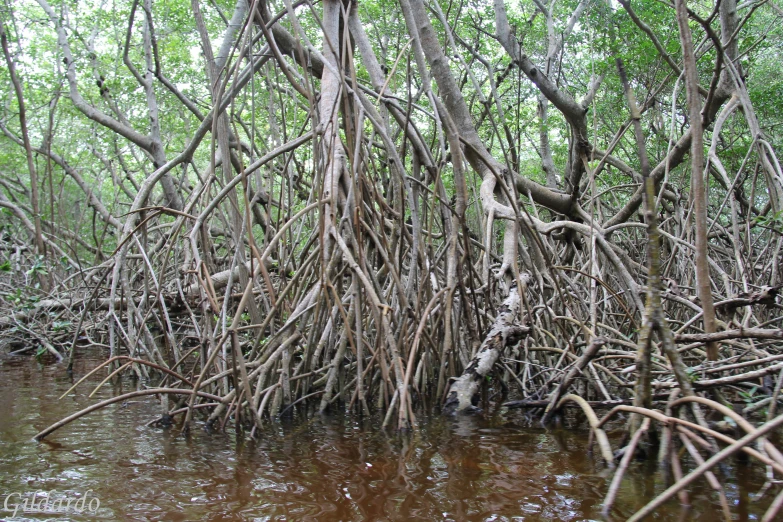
325, 468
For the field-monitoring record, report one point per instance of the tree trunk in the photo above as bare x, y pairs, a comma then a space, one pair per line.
703, 288
506, 331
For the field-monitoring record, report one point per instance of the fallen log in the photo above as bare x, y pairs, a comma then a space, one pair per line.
47, 305
544, 403
742, 333
506, 331
722, 381
764, 296
220, 279
77, 305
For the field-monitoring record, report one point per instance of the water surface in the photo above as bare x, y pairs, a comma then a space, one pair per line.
333, 467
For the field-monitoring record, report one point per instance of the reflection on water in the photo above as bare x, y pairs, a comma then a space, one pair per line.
325, 468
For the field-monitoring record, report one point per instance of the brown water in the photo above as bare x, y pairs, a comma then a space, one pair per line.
326, 468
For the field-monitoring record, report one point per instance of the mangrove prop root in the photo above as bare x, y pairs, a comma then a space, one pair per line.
121, 398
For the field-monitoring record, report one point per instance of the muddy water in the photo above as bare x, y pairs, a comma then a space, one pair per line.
327, 468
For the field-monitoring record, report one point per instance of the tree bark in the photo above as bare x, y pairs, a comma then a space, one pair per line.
506, 331
703, 287
39, 242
